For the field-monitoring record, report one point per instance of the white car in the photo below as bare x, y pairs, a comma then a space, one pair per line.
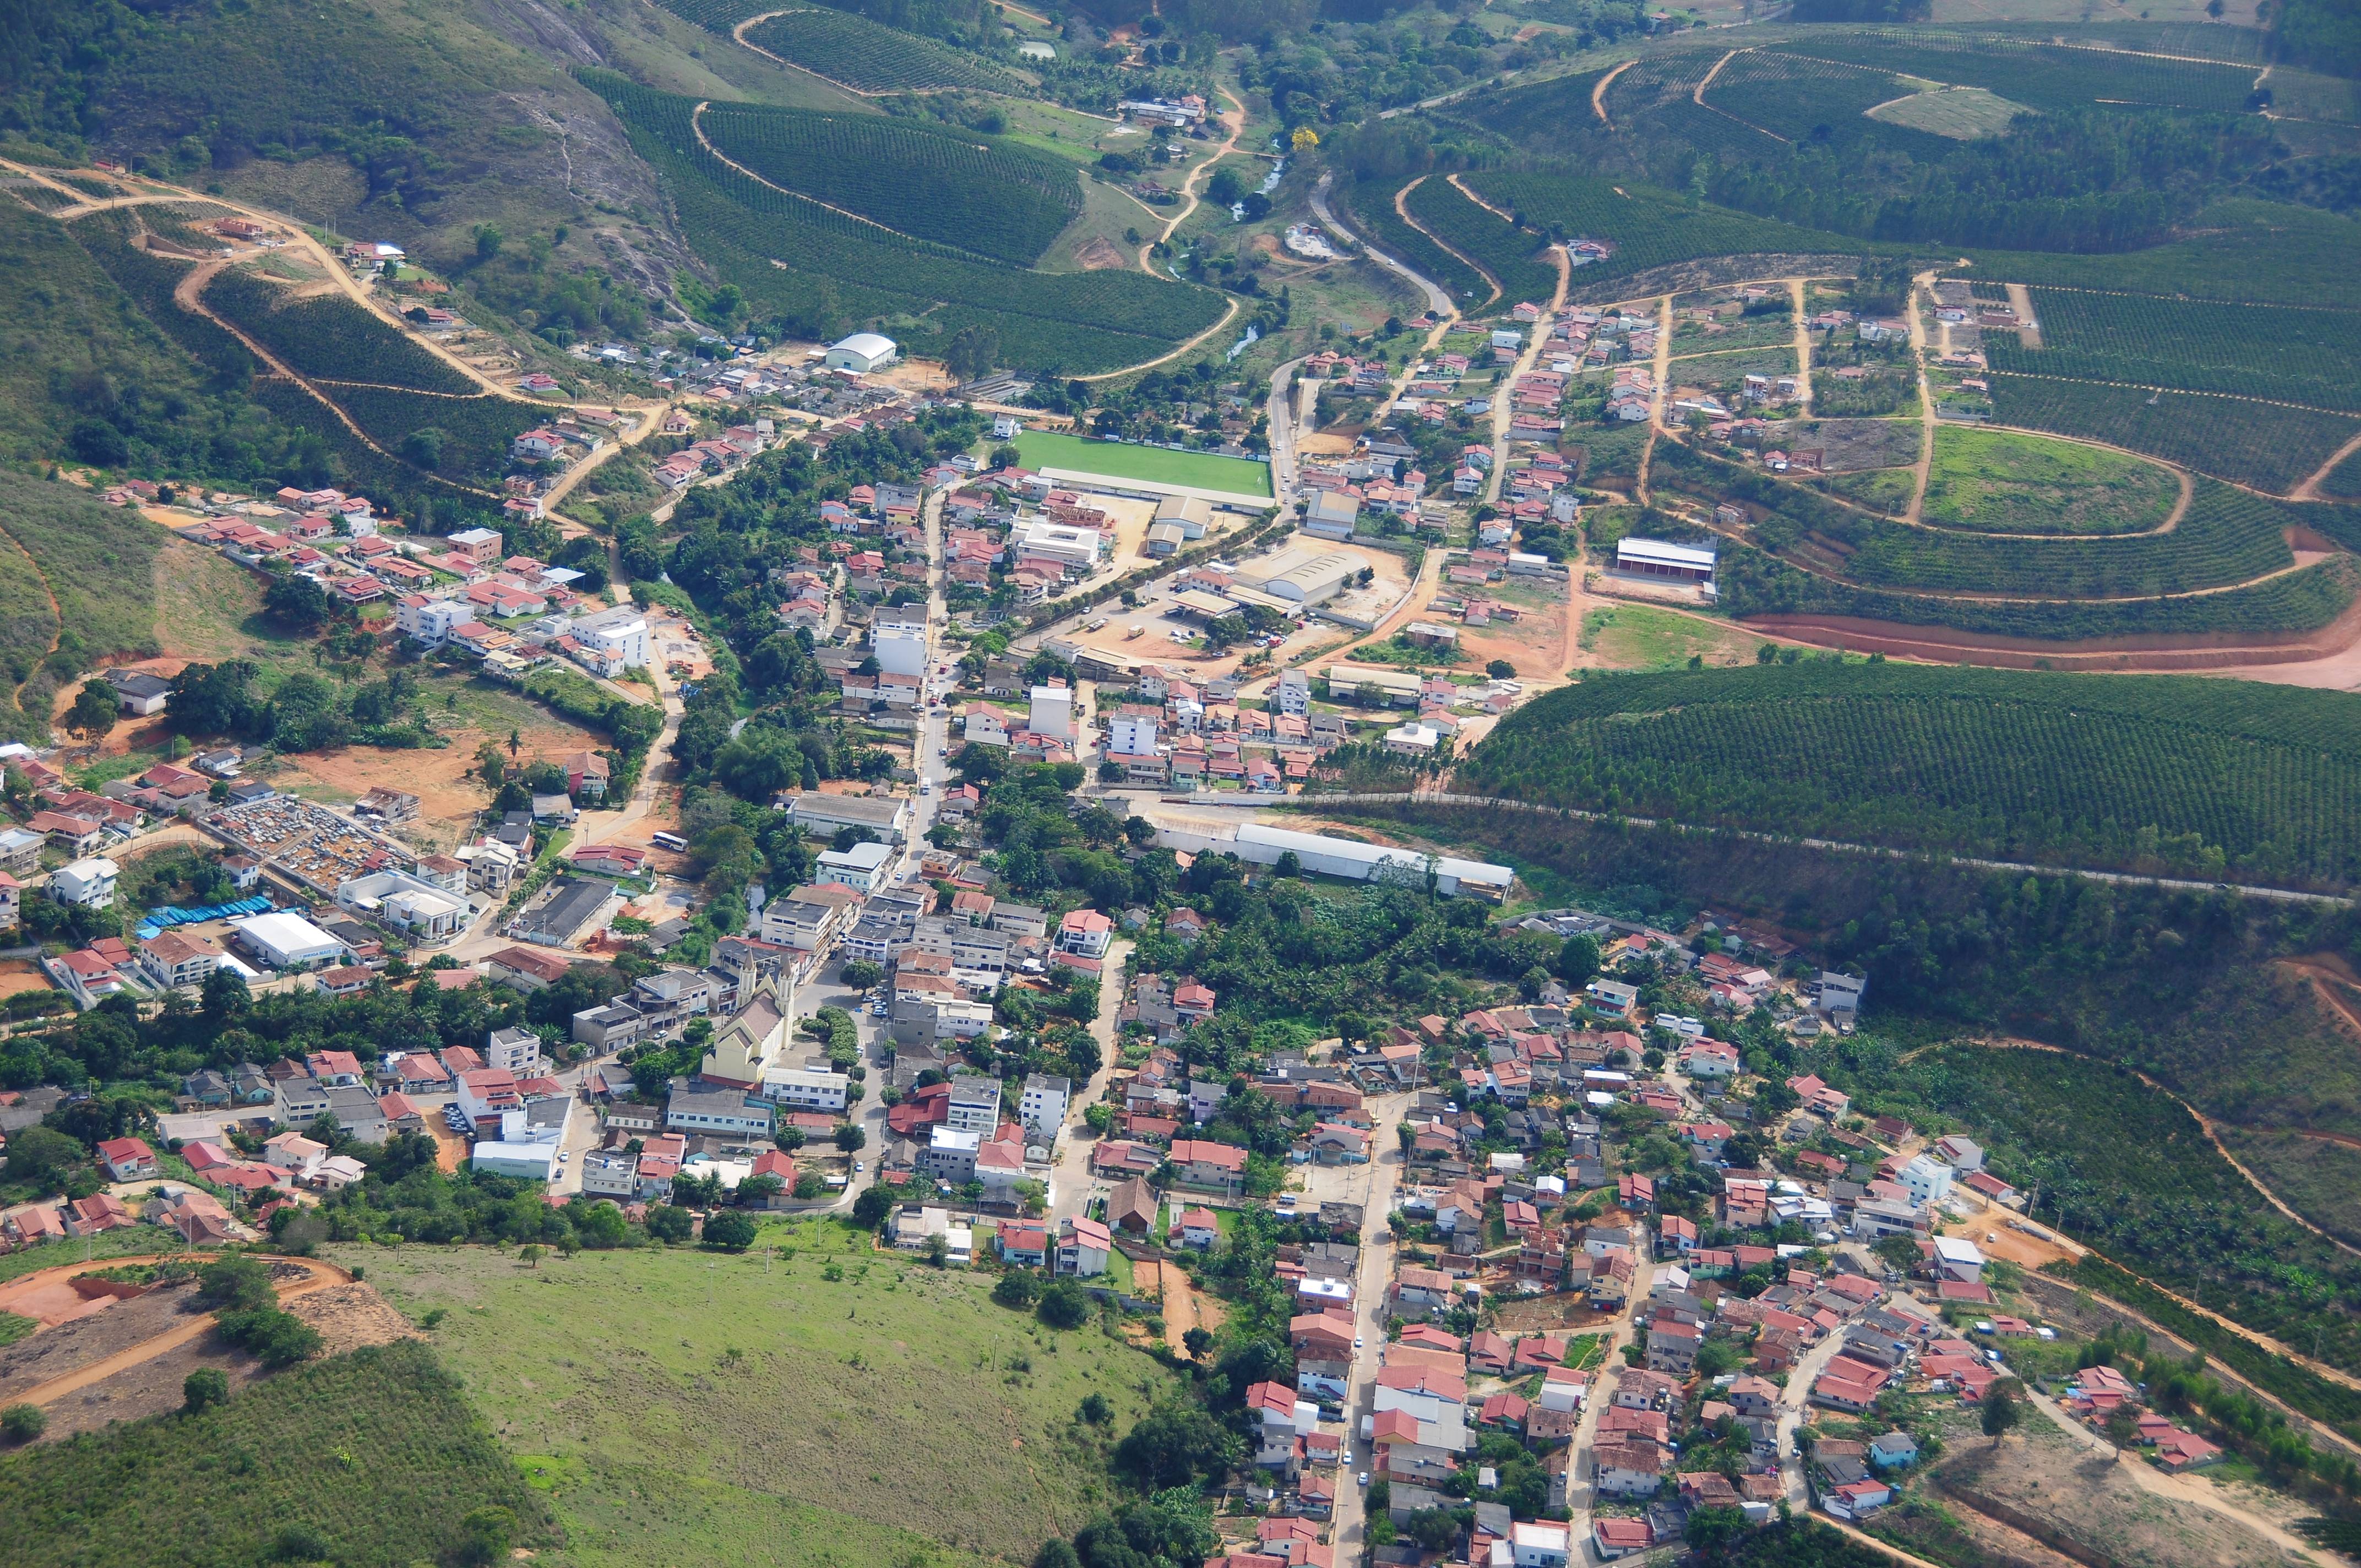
1364, 1478
1357, 1338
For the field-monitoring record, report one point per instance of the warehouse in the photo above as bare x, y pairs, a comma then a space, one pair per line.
1067, 547
1190, 514
1655, 558
574, 903
863, 352
282, 940
1301, 576
824, 814
1325, 856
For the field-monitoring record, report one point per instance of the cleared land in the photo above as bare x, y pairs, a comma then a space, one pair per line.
890, 1409
1962, 114
1153, 464
1994, 481
1642, 637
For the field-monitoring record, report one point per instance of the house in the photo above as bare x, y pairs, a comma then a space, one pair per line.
1199, 1228
1893, 1451
1539, 1543
1614, 1538
1217, 1166
1083, 1247
128, 1159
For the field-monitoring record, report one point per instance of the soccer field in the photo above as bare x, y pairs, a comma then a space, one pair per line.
1149, 465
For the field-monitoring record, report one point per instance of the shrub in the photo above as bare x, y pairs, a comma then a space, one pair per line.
730, 1231
1018, 1287
1065, 1305
205, 1386
22, 1423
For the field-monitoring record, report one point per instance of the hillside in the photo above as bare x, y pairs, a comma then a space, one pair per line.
878, 1406
330, 1460
2205, 778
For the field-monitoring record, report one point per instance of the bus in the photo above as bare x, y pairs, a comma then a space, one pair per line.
668, 840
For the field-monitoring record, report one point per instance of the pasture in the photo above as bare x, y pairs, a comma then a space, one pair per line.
1994, 481
847, 1397
1962, 114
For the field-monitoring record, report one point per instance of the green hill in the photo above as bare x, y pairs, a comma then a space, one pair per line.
2200, 777
372, 1460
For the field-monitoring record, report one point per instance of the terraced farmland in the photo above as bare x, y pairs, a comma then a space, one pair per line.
868, 57
1993, 481
1512, 256
2263, 445
2046, 76
2281, 354
1808, 100
824, 273
328, 336
1647, 226
999, 199
2049, 766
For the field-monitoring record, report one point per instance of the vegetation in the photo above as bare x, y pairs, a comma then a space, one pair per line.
2268, 445
2239, 250
2203, 777
97, 562
1372, 206
328, 337
462, 439
1996, 482
861, 54
866, 1348
1235, 475
2276, 353
1510, 253
814, 273
1002, 200
1647, 227
388, 1423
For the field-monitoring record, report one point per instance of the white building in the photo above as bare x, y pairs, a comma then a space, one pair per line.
1133, 731
526, 1162
862, 868
1051, 712
431, 621
1928, 1180
1294, 693
406, 903
863, 352
900, 650
1655, 558
288, 942
1414, 740
1301, 576
174, 962
89, 882
515, 1051
613, 639
1346, 858
1071, 548
1042, 1107
806, 1089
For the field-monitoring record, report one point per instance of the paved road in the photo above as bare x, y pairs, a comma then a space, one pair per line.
1579, 1495
1283, 410
1070, 1183
1436, 299
1372, 1186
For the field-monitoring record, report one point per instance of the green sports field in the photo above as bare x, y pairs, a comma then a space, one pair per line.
1149, 465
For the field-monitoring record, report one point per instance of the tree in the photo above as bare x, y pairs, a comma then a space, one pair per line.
1197, 1342
971, 352
22, 1423
1065, 1305
94, 710
862, 975
667, 1224
533, 1254
1578, 961
1434, 1529
484, 1537
297, 601
1713, 1527
2123, 1428
42, 1158
205, 1386
870, 1209
2001, 1409
1897, 1253
850, 1139
1174, 1445
1501, 670
1095, 1410
1057, 1553
730, 1231
1019, 1288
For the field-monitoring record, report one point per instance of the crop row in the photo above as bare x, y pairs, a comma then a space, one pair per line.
861, 54
150, 282
715, 16
466, 439
2241, 250
1001, 200
1647, 227
2262, 444
1512, 256
2289, 356
1545, 115
328, 336
2046, 76
1815, 101
1972, 761
1372, 205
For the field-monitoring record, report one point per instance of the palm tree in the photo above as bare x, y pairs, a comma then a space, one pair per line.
515, 743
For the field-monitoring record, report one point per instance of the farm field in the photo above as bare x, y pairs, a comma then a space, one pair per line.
2239, 250
2209, 776
94, 560
328, 337
463, 439
1994, 481
2263, 445
1817, 101
1371, 204
2317, 1178
390, 1419
1647, 227
2285, 355
779, 1385
1513, 257
815, 269
2045, 76
999, 199
867, 57
1155, 464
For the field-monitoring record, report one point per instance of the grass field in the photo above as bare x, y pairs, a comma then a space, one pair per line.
1995, 481
1642, 637
2319, 1180
375, 1452
94, 560
891, 1409
2268, 445
1963, 113
1150, 464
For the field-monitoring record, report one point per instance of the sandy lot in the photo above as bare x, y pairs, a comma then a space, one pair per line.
449, 797
21, 974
